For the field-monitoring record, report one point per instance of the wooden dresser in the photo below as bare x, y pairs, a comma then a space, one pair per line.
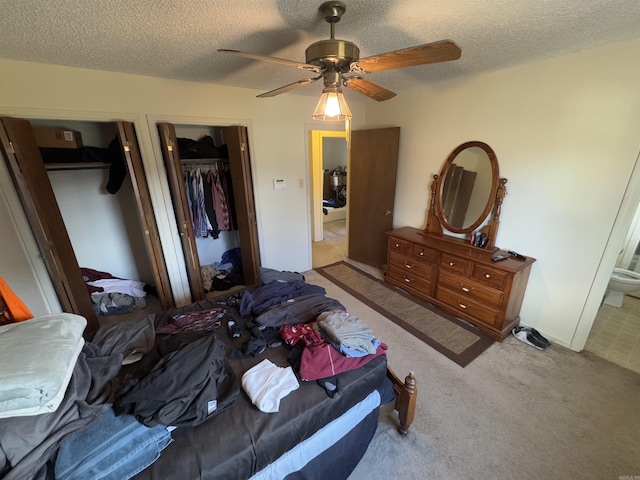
459, 278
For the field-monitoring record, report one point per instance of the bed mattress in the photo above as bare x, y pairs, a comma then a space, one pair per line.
242, 441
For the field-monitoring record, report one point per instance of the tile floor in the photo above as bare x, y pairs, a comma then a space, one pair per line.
615, 335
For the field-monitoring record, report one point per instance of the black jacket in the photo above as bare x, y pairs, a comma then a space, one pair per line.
180, 383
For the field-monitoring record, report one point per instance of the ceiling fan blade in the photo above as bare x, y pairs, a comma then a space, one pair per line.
282, 61
370, 89
286, 88
435, 52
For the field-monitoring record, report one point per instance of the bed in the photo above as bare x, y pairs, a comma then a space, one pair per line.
314, 432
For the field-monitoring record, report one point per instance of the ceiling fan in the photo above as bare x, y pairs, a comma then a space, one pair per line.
338, 62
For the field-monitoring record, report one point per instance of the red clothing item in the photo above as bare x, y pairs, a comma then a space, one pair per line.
307, 333
325, 361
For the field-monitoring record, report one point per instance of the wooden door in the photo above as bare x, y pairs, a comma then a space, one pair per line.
372, 187
171, 157
131, 152
39, 202
240, 166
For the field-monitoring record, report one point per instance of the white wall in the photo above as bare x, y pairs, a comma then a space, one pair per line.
566, 133
277, 128
334, 153
104, 229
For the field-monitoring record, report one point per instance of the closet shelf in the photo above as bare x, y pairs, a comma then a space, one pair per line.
76, 166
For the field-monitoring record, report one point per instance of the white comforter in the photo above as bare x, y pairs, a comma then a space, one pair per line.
37, 358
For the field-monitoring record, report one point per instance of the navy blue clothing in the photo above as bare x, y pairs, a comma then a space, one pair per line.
274, 293
301, 310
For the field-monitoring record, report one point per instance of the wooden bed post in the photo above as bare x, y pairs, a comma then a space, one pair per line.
406, 397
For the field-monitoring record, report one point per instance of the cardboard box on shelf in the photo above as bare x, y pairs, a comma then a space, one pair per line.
52, 137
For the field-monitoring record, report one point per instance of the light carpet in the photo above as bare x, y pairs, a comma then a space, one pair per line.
515, 412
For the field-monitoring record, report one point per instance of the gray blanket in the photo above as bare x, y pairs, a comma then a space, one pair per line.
28, 445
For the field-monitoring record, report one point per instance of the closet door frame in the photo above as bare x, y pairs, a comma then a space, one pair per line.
41, 208
242, 180
171, 157
146, 214
54, 289
237, 139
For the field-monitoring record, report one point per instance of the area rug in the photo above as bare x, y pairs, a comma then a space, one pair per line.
450, 336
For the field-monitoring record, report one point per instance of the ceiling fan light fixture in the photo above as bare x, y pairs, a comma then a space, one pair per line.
338, 63
332, 106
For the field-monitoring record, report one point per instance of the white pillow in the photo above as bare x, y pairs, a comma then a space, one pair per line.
37, 358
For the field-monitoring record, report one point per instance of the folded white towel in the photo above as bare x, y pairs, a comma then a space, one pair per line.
266, 384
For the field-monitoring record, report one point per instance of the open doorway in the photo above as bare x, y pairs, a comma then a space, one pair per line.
598, 320
615, 333
329, 196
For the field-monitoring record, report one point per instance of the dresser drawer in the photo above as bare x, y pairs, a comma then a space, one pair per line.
424, 253
411, 265
490, 276
399, 245
410, 280
468, 288
456, 264
465, 305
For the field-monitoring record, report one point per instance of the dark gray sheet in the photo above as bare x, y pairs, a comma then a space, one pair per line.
242, 440
28, 443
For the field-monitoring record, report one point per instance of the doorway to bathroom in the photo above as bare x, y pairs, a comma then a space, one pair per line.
615, 333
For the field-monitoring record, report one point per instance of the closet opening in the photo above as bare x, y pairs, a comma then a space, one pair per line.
209, 174
83, 187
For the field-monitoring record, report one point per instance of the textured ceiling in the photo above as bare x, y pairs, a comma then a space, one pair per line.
178, 38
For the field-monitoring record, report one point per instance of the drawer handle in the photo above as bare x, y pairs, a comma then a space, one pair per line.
409, 266
397, 245
451, 264
408, 280
422, 254
487, 275
462, 305
466, 289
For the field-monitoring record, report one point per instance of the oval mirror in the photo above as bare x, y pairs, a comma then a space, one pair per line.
467, 187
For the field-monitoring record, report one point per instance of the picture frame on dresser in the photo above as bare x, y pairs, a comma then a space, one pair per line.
455, 273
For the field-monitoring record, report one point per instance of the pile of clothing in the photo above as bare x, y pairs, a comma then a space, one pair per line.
114, 296
325, 339
225, 274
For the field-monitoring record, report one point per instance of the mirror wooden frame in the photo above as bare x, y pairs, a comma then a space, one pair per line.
436, 223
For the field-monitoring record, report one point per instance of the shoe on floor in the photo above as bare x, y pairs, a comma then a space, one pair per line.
538, 336
524, 335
